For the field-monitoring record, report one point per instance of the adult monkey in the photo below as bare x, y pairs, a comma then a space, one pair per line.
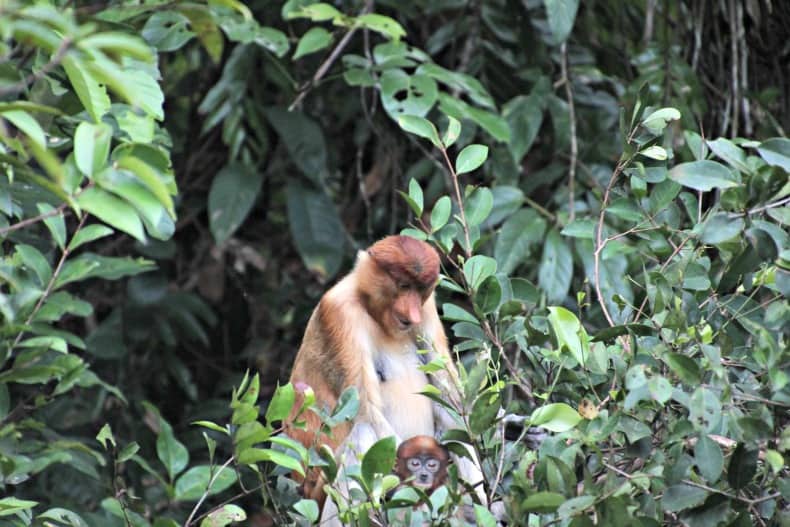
365, 333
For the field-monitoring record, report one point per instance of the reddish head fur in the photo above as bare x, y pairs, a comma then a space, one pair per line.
422, 446
396, 280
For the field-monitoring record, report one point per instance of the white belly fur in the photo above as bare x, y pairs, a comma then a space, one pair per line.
409, 412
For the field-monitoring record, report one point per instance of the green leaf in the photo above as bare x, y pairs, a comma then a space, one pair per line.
484, 412
112, 210
281, 403
316, 39
381, 24
224, 515
11, 506
720, 228
167, 30
303, 139
703, 175
91, 147
477, 269
35, 261
28, 125
556, 417
119, 44
658, 120
561, 15
684, 367
316, 229
493, 123
151, 178
518, 236
231, 198
708, 458
556, 268
681, 497
127, 186
453, 131
88, 234
569, 333
441, 213
415, 197
171, 452
524, 115
542, 502
379, 459
193, 483
470, 158
654, 152
776, 152
55, 224
478, 206
308, 509
91, 93
731, 153
317, 12
421, 127
455, 313
489, 296
105, 436
742, 467
404, 94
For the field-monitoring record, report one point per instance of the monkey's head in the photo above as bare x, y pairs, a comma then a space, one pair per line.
397, 275
423, 461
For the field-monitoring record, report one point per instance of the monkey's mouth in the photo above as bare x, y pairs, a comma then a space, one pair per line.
402, 324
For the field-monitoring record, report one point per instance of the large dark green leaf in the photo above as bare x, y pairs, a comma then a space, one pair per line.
316, 229
233, 193
303, 139
556, 267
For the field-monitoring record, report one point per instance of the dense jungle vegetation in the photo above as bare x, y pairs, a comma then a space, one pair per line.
607, 182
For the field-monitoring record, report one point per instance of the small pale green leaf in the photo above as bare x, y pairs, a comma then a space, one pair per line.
91, 147
105, 436
112, 210
193, 483
556, 417
776, 152
308, 509
654, 152
543, 502
88, 234
225, 515
379, 459
470, 158
561, 15
453, 131
441, 213
416, 199
316, 39
658, 120
421, 127
28, 125
477, 269
703, 175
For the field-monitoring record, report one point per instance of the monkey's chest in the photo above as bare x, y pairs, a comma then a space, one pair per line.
409, 412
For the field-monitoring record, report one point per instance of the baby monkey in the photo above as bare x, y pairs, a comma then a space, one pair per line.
422, 461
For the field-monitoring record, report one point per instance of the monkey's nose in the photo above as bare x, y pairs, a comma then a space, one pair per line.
423, 478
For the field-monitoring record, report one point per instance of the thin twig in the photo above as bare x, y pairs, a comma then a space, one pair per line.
54, 62
324, 67
459, 199
574, 145
35, 219
208, 487
51, 285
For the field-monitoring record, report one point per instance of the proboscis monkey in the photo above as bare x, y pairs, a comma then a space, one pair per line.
365, 332
422, 462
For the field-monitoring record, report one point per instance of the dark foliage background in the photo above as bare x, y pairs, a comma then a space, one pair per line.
285, 166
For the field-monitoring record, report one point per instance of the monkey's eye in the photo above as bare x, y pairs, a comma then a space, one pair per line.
433, 465
403, 286
414, 463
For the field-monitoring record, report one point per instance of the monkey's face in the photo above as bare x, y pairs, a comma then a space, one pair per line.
425, 471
